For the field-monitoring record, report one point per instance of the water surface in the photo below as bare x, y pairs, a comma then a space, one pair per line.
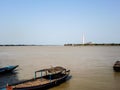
91, 66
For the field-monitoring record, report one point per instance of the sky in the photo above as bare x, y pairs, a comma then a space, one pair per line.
58, 22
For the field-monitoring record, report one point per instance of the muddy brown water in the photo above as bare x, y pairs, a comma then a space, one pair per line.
91, 66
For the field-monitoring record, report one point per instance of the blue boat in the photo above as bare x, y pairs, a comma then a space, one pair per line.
8, 69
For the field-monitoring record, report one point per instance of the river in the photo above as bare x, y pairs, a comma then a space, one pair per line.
91, 66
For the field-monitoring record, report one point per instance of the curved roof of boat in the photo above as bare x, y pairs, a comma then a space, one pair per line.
56, 69
53, 69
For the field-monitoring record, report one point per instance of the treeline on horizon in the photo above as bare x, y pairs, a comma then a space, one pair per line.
94, 44
19, 45
25, 45
86, 44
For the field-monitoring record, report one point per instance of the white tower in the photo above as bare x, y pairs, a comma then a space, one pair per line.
83, 39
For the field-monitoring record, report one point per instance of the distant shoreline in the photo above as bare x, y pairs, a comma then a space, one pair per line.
27, 45
96, 44
87, 44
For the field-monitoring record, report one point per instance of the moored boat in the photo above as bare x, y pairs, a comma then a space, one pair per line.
7, 69
116, 66
48, 78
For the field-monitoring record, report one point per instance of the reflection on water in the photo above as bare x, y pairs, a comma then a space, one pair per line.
8, 79
91, 66
117, 80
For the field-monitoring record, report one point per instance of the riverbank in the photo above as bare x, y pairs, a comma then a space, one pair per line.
87, 44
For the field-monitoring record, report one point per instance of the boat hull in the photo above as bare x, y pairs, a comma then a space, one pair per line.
117, 69
116, 66
47, 85
7, 69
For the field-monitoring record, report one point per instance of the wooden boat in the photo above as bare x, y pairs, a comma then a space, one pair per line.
116, 66
48, 78
7, 69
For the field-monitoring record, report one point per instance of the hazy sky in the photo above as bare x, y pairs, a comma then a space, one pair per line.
59, 21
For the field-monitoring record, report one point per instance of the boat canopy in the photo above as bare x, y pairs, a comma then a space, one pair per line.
52, 69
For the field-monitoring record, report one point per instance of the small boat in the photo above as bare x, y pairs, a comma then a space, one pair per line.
116, 66
48, 78
7, 69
